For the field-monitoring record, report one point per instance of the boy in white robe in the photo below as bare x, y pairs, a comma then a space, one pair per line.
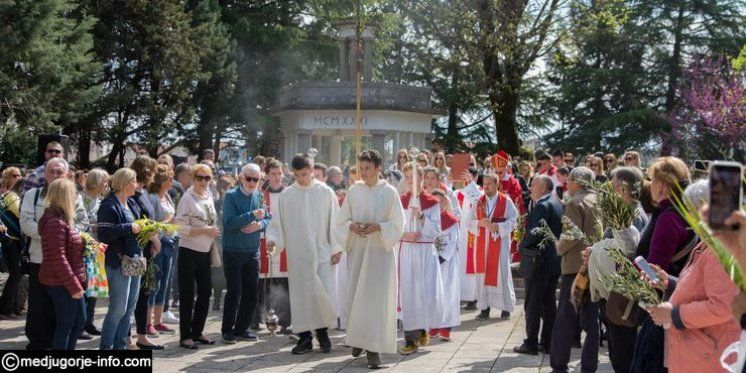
307, 212
468, 197
447, 247
369, 226
420, 282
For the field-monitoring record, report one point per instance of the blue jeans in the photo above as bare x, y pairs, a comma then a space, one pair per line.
123, 292
164, 262
69, 315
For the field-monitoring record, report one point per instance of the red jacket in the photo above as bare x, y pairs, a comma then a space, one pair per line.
62, 254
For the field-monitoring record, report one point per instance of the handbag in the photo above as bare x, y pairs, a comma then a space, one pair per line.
134, 266
215, 260
530, 264
623, 311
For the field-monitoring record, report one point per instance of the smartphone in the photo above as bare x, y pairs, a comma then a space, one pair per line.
644, 266
726, 193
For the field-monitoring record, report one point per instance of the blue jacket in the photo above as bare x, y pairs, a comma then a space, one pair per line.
237, 208
549, 209
115, 230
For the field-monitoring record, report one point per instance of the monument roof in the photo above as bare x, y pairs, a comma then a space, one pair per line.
331, 95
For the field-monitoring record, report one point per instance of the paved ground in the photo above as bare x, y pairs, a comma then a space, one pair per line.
475, 347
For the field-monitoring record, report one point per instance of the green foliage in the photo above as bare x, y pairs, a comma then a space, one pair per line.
45, 72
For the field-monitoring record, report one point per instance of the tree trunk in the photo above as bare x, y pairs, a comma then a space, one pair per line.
84, 147
504, 104
674, 72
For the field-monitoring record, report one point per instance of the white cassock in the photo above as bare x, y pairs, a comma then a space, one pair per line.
450, 272
339, 290
502, 295
371, 298
454, 202
467, 198
305, 230
420, 282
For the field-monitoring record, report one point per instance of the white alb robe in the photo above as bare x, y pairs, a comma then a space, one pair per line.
372, 282
502, 296
305, 229
468, 197
450, 272
420, 282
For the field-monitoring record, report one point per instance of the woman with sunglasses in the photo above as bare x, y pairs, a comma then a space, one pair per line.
197, 220
597, 166
610, 163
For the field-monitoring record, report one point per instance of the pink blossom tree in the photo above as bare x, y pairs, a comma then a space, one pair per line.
710, 120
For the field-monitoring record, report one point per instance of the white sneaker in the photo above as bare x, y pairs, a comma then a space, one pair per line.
170, 318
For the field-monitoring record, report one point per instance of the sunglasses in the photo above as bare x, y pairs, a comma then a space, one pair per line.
202, 178
569, 160
629, 158
54, 151
252, 179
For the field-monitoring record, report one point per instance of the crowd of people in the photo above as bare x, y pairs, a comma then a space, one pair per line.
371, 249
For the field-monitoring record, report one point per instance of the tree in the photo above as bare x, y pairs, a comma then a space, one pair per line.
678, 29
511, 36
45, 72
602, 100
710, 120
151, 53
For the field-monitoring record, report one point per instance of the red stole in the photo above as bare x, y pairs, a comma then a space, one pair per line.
264, 267
489, 262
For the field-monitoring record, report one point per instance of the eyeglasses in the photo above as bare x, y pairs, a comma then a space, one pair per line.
252, 179
629, 158
202, 178
54, 151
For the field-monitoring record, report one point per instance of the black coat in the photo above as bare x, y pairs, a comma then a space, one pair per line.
550, 210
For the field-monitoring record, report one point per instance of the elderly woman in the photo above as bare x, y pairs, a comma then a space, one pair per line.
62, 268
697, 314
197, 219
96, 187
116, 227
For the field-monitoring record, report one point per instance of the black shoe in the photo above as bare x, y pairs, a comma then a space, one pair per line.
484, 315
304, 346
544, 349
192, 346
148, 347
324, 342
523, 349
471, 306
203, 340
374, 360
229, 338
246, 336
356, 351
92, 330
84, 337
505, 315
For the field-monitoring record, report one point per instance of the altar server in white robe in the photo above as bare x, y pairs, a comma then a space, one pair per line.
447, 246
307, 211
467, 198
369, 226
492, 222
420, 282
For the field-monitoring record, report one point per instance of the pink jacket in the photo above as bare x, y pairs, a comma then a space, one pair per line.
703, 323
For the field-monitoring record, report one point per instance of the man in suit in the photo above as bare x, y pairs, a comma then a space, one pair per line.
540, 267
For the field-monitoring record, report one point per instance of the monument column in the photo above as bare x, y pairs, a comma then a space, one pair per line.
303, 141
379, 141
